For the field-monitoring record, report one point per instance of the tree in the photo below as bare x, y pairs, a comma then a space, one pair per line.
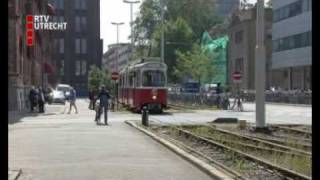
98, 77
196, 64
178, 37
200, 15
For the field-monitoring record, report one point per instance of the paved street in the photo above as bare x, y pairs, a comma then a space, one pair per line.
275, 114
70, 146
63, 146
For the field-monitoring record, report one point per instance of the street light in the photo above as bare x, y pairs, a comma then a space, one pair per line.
117, 24
162, 31
131, 17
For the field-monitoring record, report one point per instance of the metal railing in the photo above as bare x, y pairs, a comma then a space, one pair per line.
289, 97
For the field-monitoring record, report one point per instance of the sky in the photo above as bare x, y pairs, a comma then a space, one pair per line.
118, 11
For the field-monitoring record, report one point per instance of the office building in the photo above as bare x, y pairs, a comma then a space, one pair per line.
80, 46
292, 44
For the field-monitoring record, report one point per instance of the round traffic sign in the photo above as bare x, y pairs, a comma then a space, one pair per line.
114, 76
236, 75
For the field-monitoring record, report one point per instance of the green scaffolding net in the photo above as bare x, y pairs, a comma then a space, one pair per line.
218, 47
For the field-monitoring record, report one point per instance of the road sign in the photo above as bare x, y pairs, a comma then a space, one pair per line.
236, 77
114, 76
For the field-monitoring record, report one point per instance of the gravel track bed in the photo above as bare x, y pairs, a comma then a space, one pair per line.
248, 169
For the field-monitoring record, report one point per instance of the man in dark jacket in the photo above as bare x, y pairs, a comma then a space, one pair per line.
32, 98
92, 99
103, 97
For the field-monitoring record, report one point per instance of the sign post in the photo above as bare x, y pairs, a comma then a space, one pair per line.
115, 77
237, 79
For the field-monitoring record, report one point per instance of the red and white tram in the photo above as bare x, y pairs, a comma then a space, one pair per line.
144, 83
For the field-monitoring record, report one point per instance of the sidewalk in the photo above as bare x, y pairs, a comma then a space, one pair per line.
68, 147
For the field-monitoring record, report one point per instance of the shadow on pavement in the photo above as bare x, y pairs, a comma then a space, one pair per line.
16, 117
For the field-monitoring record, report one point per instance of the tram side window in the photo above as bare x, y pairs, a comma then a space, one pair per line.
131, 79
154, 78
121, 80
138, 77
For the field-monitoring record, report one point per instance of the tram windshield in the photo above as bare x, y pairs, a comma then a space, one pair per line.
153, 78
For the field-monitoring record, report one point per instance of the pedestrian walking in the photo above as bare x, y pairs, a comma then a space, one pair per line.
103, 98
33, 98
72, 100
41, 100
92, 99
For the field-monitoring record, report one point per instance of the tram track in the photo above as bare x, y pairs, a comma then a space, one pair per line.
211, 149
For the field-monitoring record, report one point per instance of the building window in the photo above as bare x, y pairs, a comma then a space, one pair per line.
238, 37
77, 46
239, 65
83, 4
77, 21
84, 46
61, 46
62, 68
291, 10
80, 4
77, 4
84, 67
77, 68
83, 23
61, 19
55, 45
292, 42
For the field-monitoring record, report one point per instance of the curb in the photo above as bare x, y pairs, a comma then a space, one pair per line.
205, 167
14, 174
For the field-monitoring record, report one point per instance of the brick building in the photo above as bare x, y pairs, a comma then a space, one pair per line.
27, 66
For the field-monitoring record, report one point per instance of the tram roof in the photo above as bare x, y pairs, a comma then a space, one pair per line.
143, 61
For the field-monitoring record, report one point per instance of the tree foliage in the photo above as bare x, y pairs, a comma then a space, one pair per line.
184, 23
178, 37
98, 77
196, 64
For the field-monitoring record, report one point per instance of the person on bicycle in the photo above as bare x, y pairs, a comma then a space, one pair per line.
103, 97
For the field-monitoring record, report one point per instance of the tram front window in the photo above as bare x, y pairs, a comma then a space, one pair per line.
153, 78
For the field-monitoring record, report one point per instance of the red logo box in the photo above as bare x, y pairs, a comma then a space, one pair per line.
29, 26
29, 33
29, 42
29, 18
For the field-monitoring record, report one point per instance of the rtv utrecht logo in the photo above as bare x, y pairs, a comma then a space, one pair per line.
41, 22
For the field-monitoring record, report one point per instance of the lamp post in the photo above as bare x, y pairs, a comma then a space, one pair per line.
117, 24
162, 31
131, 23
260, 68
131, 16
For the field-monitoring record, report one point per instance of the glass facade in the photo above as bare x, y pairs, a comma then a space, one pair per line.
292, 42
291, 10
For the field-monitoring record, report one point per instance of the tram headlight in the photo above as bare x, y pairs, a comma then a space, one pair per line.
154, 97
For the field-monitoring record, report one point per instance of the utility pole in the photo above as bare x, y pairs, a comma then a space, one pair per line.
260, 67
162, 30
117, 24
